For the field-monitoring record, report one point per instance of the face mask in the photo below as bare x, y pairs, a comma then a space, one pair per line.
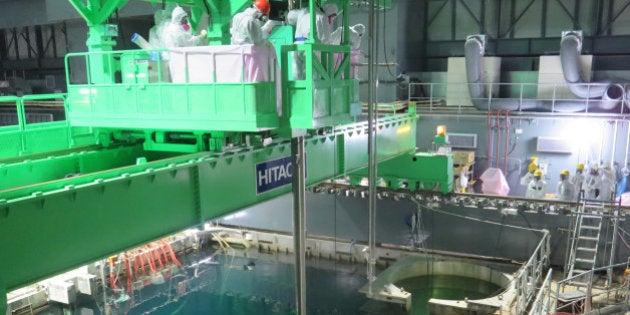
186, 27
331, 18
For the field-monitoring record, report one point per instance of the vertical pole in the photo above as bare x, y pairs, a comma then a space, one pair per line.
512, 17
613, 245
453, 19
371, 152
498, 17
609, 19
299, 222
3, 46
576, 15
482, 17
543, 22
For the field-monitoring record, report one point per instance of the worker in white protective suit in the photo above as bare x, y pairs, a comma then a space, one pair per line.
578, 179
592, 183
356, 33
531, 168
178, 32
537, 186
463, 179
566, 189
161, 19
607, 183
301, 19
247, 26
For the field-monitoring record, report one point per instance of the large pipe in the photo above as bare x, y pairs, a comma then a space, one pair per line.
474, 52
612, 97
570, 52
614, 309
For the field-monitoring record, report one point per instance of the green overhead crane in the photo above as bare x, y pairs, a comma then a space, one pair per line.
141, 159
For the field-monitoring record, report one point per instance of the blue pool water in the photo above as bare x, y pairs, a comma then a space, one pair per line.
237, 285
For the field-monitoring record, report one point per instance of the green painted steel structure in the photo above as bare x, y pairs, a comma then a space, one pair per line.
415, 171
141, 157
60, 224
22, 138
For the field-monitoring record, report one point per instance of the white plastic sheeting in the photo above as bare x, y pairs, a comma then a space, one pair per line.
223, 64
494, 182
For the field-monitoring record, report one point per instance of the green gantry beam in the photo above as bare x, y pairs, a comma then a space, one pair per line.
51, 227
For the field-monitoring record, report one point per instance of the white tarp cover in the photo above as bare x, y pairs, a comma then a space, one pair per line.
223, 64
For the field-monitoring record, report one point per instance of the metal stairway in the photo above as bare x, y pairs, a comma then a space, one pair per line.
585, 239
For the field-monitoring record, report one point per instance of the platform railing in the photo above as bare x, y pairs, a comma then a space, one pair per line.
26, 130
543, 302
590, 293
551, 97
531, 274
209, 88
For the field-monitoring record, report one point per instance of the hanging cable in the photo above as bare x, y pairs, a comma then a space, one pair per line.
490, 134
497, 125
507, 141
623, 240
385, 44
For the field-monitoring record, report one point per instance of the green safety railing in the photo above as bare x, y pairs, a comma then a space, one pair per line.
143, 97
24, 138
327, 95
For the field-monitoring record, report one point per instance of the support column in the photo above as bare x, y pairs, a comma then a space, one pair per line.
372, 175
299, 221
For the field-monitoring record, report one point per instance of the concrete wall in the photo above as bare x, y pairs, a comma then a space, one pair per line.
591, 139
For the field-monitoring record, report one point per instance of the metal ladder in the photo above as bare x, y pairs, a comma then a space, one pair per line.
585, 240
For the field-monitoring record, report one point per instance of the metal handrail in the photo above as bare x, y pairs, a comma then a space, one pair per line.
542, 303
435, 93
589, 285
530, 274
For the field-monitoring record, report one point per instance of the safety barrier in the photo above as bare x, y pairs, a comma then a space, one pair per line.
133, 89
542, 304
591, 290
531, 274
37, 123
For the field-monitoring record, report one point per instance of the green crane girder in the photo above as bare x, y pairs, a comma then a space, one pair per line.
56, 225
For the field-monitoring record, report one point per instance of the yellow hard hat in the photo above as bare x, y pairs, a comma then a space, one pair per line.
534, 159
580, 167
564, 172
538, 173
532, 167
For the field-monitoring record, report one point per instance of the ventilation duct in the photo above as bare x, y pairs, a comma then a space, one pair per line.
570, 52
474, 50
613, 96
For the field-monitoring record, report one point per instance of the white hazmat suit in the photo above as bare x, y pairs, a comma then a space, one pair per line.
301, 19
606, 187
246, 27
536, 188
177, 33
527, 178
161, 18
578, 181
566, 190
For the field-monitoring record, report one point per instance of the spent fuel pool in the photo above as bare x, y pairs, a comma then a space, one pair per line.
210, 283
